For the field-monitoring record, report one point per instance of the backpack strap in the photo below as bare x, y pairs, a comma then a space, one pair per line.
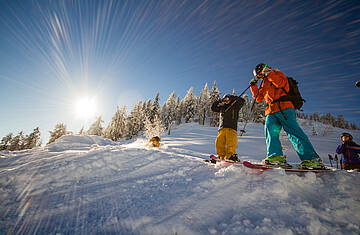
281, 98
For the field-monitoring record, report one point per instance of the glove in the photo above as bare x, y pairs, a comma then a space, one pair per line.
253, 82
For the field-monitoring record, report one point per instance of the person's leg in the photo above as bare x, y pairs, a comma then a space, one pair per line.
231, 142
298, 138
272, 133
220, 144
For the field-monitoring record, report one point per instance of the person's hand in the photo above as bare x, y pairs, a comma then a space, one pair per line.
253, 82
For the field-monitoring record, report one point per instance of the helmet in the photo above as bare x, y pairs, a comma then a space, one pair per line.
227, 97
347, 134
258, 70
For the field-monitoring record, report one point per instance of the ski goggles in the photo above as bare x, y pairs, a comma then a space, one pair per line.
260, 75
346, 134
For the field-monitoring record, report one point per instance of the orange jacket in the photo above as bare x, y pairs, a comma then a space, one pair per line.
154, 142
271, 90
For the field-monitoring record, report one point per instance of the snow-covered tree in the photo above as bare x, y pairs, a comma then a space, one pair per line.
153, 128
214, 96
33, 139
5, 141
17, 143
244, 113
60, 130
134, 122
96, 128
116, 128
189, 105
155, 109
178, 112
259, 112
168, 112
204, 104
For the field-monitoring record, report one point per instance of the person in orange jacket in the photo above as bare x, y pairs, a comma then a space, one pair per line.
154, 142
281, 114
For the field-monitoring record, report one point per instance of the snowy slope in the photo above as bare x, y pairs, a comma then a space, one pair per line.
88, 185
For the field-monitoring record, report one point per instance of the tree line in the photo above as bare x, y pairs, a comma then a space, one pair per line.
152, 119
329, 119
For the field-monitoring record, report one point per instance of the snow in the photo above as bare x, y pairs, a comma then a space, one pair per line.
89, 185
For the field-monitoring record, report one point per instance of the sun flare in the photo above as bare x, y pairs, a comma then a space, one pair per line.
85, 107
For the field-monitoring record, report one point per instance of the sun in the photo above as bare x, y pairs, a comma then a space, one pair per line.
85, 107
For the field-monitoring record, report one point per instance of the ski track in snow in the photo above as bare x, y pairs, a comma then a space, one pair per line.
87, 185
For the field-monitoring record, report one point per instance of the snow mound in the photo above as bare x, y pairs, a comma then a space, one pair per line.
78, 143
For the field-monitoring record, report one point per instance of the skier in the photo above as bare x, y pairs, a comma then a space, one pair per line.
349, 150
154, 142
280, 115
226, 141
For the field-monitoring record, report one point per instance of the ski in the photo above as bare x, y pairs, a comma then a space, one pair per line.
262, 167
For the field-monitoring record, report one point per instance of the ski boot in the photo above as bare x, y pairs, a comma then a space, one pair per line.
313, 164
276, 161
234, 158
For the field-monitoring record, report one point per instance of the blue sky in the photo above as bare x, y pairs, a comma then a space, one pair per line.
120, 52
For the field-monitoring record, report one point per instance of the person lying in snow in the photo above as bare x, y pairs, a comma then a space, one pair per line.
349, 151
154, 142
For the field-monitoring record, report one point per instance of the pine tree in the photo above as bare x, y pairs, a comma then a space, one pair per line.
178, 112
189, 106
168, 112
214, 96
259, 112
204, 104
153, 128
60, 130
340, 121
5, 142
244, 113
16, 143
33, 139
155, 109
116, 128
96, 128
134, 123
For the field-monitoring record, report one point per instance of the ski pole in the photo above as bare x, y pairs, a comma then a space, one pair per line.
232, 104
336, 159
330, 160
257, 93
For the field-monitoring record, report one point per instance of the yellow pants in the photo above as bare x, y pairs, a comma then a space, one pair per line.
226, 143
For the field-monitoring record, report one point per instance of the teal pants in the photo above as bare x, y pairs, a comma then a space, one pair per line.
273, 124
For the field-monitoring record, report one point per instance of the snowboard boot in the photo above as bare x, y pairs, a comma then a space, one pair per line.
315, 164
276, 161
234, 158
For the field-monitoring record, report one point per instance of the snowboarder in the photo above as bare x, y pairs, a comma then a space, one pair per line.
281, 115
226, 141
349, 150
154, 142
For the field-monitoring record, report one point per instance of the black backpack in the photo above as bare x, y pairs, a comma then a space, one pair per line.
293, 95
